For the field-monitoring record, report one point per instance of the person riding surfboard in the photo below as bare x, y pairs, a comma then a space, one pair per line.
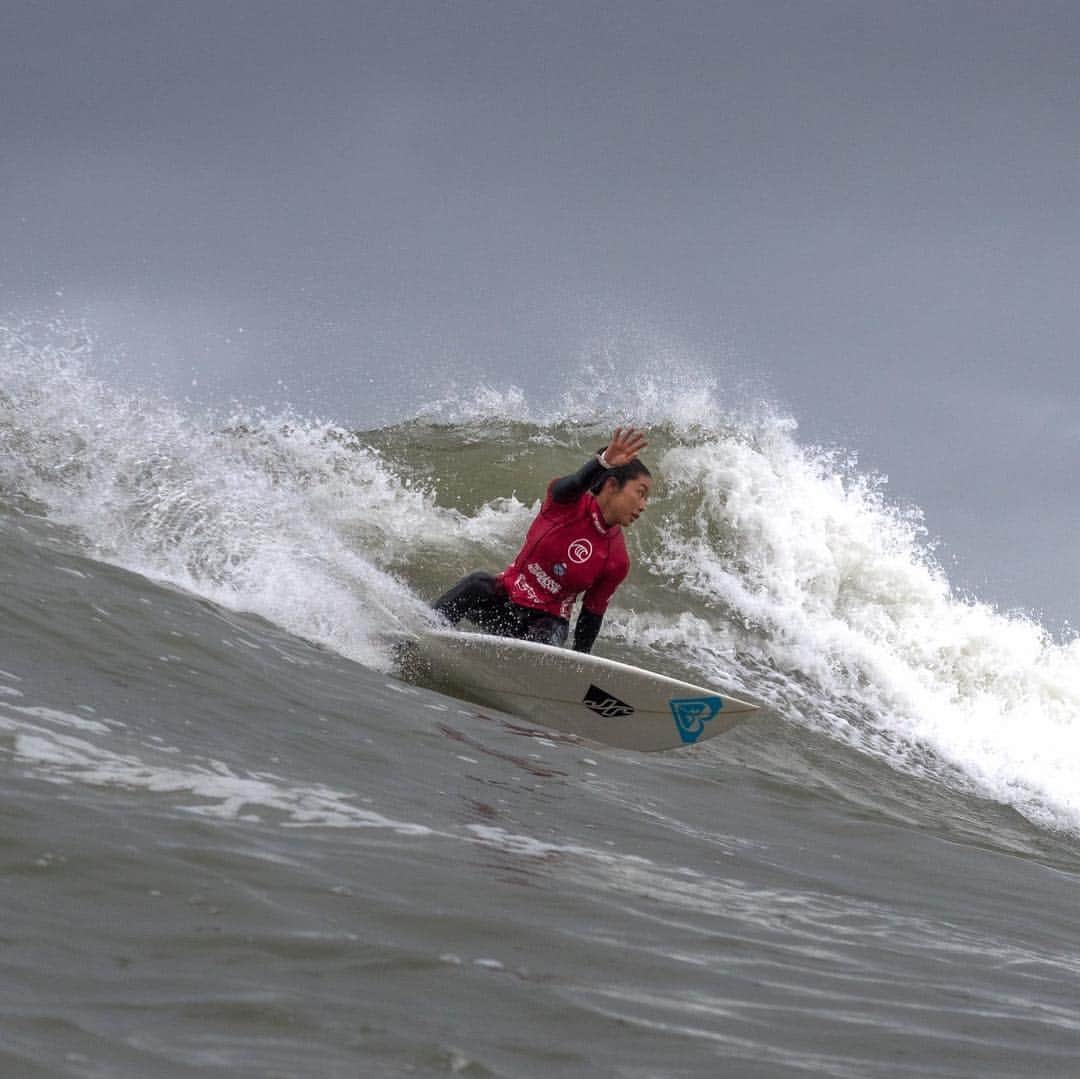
574, 547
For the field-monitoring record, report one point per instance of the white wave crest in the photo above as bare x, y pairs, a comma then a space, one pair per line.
867, 639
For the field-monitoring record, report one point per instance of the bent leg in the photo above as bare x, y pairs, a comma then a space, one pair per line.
477, 597
482, 599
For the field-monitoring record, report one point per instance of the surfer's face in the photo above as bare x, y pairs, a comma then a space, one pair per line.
624, 505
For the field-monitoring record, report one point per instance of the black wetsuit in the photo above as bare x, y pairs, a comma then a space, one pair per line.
482, 597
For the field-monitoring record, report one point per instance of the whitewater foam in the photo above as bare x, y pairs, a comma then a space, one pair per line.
870, 642
39, 738
293, 519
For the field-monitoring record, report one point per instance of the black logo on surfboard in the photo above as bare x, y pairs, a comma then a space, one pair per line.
604, 704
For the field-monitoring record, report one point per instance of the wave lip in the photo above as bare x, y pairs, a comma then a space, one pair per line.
862, 628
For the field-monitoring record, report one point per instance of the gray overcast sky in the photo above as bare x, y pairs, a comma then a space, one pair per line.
871, 208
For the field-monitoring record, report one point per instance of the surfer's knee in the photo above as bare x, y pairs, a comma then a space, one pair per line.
456, 603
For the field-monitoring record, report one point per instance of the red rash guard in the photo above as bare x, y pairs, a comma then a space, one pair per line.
568, 550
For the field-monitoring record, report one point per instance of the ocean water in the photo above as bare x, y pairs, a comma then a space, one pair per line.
233, 843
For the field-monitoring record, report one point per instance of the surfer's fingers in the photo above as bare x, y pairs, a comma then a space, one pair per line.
625, 442
626, 435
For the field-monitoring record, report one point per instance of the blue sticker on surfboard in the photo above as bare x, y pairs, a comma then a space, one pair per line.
692, 713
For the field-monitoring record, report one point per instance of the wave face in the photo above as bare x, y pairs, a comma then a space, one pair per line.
775, 569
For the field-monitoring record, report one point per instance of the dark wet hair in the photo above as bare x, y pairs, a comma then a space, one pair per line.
623, 474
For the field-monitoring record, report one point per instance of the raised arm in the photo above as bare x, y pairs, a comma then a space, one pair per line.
624, 446
571, 488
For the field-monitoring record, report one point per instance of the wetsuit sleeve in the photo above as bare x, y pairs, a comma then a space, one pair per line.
571, 488
588, 626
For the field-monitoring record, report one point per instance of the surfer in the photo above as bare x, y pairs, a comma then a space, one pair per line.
575, 545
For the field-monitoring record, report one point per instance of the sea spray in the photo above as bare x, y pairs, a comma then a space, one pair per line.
864, 637
292, 519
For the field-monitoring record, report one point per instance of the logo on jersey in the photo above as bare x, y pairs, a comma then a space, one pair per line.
547, 582
580, 551
604, 704
692, 713
559, 569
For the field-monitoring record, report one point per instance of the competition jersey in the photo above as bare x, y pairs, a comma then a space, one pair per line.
568, 550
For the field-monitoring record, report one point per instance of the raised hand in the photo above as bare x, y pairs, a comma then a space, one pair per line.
625, 445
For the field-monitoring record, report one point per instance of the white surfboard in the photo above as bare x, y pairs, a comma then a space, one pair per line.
596, 698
